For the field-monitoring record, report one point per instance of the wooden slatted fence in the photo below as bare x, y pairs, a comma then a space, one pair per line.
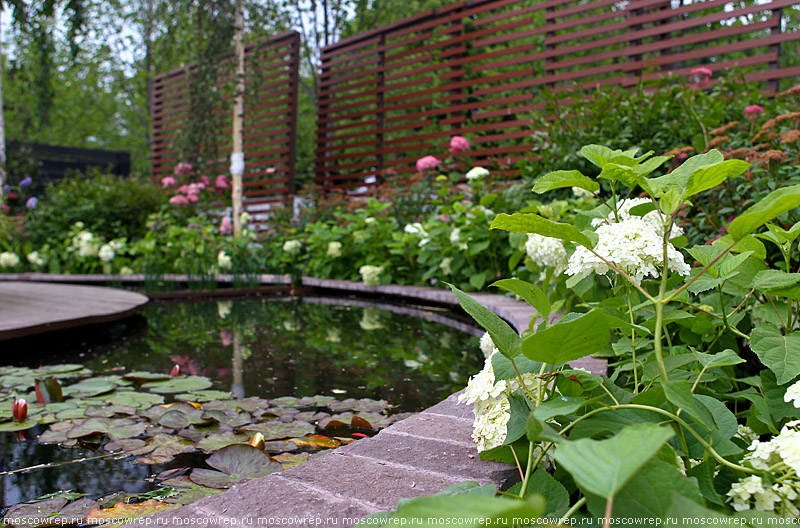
270, 122
475, 68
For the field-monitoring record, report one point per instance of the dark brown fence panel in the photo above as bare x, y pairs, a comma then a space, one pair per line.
270, 122
476, 69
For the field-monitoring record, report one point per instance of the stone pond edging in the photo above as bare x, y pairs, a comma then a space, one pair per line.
414, 457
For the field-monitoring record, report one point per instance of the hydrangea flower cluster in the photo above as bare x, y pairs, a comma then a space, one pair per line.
334, 249
8, 259
35, 259
445, 265
417, 229
224, 260
371, 275
476, 173
292, 247
455, 239
546, 251
781, 456
632, 243
83, 243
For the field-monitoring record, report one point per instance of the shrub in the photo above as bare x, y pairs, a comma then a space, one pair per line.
109, 206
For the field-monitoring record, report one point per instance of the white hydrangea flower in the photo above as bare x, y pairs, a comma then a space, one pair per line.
334, 249
476, 172
334, 335
633, 245
34, 258
223, 260
224, 308
116, 245
581, 193
624, 213
8, 259
788, 447
415, 229
490, 427
482, 386
290, 326
369, 220
445, 264
455, 239
245, 218
292, 247
487, 345
742, 491
746, 434
371, 275
106, 253
125, 270
546, 251
793, 395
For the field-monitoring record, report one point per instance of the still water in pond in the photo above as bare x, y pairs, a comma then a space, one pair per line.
264, 348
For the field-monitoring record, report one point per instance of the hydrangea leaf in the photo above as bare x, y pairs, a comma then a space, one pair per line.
533, 223
564, 178
780, 353
680, 394
678, 179
505, 338
710, 176
531, 293
767, 280
568, 341
771, 206
469, 510
612, 461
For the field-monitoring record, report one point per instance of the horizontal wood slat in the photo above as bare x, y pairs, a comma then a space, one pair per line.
476, 68
270, 121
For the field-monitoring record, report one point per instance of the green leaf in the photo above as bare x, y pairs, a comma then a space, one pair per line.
558, 406
543, 484
780, 353
519, 411
539, 431
533, 223
598, 154
504, 368
678, 179
564, 342
680, 394
709, 177
748, 243
467, 510
531, 293
771, 206
603, 467
505, 338
564, 178
725, 358
178, 384
477, 280
774, 279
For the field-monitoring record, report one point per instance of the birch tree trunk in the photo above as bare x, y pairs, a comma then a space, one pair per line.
237, 155
2, 120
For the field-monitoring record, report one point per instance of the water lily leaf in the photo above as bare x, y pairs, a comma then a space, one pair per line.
317, 442
188, 491
363, 405
174, 419
229, 418
125, 444
217, 441
290, 460
178, 384
163, 446
318, 401
89, 427
125, 512
48, 390
66, 368
204, 396
360, 423
146, 376
25, 424
72, 414
52, 437
32, 515
235, 464
140, 400
247, 404
89, 387
278, 430
119, 432
285, 401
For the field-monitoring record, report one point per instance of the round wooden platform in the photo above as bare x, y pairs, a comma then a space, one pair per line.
28, 308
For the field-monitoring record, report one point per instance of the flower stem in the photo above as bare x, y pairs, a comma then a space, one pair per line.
575, 507
524, 490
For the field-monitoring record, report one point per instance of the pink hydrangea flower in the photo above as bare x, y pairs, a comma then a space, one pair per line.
222, 182
183, 189
183, 169
167, 181
226, 226
205, 181
702, 72
179, 199
226, 336
427, 162
192, 197
458, 144
752, 111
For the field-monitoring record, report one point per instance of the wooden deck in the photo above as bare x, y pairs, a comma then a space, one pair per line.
28, 308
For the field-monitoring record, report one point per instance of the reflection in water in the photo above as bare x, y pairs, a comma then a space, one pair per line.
257, 348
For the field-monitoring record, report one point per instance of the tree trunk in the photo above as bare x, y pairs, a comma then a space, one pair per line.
237, 155
2, 122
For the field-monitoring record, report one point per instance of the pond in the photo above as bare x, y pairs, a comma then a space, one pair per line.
341, 358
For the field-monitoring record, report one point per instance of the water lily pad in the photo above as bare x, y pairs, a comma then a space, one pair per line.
217, 441
174, 419
317, 401
229, 418
285, 401
52, 437
140, 400
71, 414
277, 430
125, 512
89, 427
25, 424
66, 368
204, 396
88, 388
311, 416
74, 512
317, 442
119, 432
247, 404
364, 405
200, 431
32, 515
290, 460
18, 382
146, 376
179, 384
162, 448
235, 464
188, 491
125, 444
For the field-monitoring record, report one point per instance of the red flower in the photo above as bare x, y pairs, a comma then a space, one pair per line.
752, 111
427, 162
458, 144
176, 371
19, 410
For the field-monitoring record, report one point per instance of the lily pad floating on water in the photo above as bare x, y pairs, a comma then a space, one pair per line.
89, 387
175, 385
277, 430
162, 448
10, 427
204, 396
217, 441
146, 376
140, 400
236, 464
125, 512
188, 491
